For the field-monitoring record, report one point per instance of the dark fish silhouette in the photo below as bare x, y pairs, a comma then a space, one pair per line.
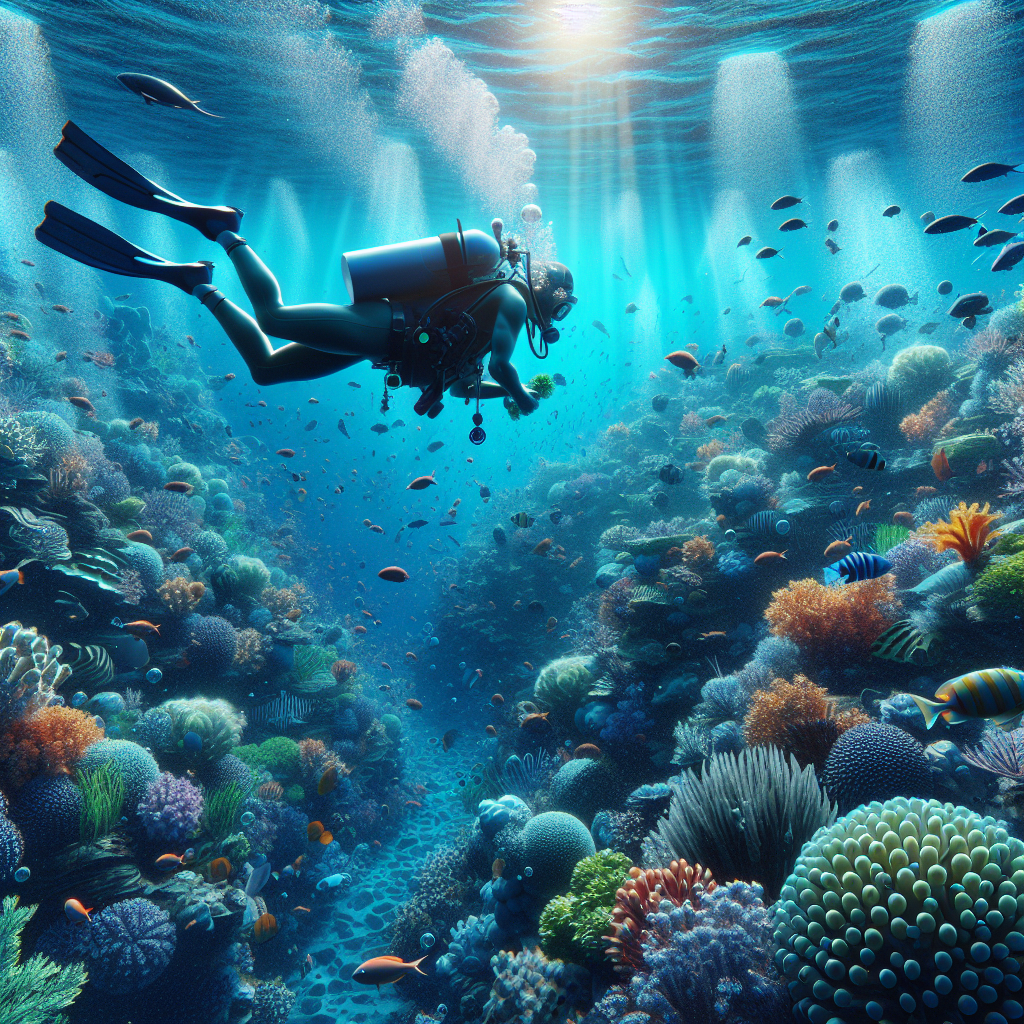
1014, 205
343, 428
986, 172
891, 211
785, 202
156, 90
1010, 256
951, 222
793, 224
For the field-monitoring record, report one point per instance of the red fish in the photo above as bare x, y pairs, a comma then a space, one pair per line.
421, 482
141, 627
82, 403
684, 360
76, 913
770, 556
178, 487
941, 467
286, 453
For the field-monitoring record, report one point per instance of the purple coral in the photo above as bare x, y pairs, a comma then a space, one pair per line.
172, 809
130, 945
913, 560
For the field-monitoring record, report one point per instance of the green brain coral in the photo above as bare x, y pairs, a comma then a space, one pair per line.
249, 576
563, 685
279, 755
573, 927
1000, 588
908, 911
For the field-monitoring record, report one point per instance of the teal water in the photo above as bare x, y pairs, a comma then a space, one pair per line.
653, 138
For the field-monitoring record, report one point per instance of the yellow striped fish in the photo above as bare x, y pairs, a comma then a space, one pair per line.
994, 693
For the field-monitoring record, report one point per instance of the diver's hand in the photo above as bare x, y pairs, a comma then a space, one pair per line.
528, 402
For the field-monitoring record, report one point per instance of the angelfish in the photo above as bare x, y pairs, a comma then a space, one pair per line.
156, 90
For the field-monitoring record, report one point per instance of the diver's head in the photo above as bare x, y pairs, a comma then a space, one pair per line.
552, 291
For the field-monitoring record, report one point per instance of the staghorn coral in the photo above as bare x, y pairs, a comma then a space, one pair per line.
774, 712
834, 625
50, 743
641, 896
966, 533
180, 595
904, 911
925, 424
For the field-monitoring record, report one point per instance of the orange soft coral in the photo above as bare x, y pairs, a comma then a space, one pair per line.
709, 451
834, 625
966, 533
50, 743
180, 594
698, 551
924, 424
798, 717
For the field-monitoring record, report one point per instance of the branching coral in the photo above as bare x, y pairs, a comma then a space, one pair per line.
50, 743
640, 896
835, 625
774, 712
180, 595
966, 533
925, 424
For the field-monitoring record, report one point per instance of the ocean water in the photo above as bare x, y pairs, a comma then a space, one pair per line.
635, 709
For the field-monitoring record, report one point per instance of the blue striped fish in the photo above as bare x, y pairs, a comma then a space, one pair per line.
856, 567
282, 713
993, 693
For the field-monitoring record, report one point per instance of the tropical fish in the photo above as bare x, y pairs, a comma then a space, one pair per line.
839, 548
264, 928
891, 211
993, 693
904, 643
670, 474
745, 240
684, 360
857, 567
448, 740
393, 574
785, 202
178, 487
866, 459
8, 577
420, 483
386, 970
770, 556
76, 913
767, 253
414, 704
941, 467
601, 327
820, 473
328, 781
522, 520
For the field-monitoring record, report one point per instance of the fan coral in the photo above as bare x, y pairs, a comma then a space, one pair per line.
800, 429
572, 926
924, 424
50, 743
708, 962
130, 945
1000, 753
693, 425
904, 911
640, 897
180, 595
172, 809
834, 625
774, 712
966, 533
528, 989
746, 816
875, 762
1008, 392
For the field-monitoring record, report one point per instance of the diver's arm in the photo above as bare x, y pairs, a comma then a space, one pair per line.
466, 388
508, 322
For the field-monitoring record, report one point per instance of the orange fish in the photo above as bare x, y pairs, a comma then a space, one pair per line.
386, 970
496, 868
326, 838
384, 664
220, 869
819, 474
141, 536
265, 927
925, 492
770, 556
497, 699
286, 453
61, 309
940, 466
181, 555
15, 333
413, 703
552, 622
536, 722
714, 632
411, 656
857, 490
903, 519
328, 781
170, 861
305, 910
421, 482
542, 546
572, 565
715, 420
359, 629
314, 830
491, 731
81, 403
864, 506
839, 548
526, 664
141, 627
76, 913
412, 803
684, 361
178, 487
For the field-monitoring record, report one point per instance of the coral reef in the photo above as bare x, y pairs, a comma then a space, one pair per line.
172, 809
130, 945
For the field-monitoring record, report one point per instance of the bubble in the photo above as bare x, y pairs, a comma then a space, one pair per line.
528, 872
529, 192
359, 602
433, 668
154, 675
433, 642
23, 874
248, 818
462, 664
79, 699
730, 534
782, 527
427, 940
442, 1010
531, 213
100, 724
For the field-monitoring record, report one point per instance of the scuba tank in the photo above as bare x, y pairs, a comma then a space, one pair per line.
426, 266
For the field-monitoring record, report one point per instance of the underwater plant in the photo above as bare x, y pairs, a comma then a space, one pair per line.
103, 795
221, 808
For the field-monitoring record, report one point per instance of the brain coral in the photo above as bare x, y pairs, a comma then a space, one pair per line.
582, 787
130, 945
135, 763
875, 761
213, 643
48, 812
905, 911
920, 371
553, 844
563, 685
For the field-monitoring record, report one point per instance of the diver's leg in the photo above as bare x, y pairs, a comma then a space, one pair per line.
363, 329
266, 364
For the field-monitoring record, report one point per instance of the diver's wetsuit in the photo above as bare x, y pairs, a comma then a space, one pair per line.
317, 330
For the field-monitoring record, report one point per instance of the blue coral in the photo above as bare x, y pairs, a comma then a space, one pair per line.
172, 809
710, 964
146, 561
735, 564
213, 642
48, 812
530, 989
130, 945
12, 845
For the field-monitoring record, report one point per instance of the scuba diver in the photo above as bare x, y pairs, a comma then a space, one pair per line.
427, 311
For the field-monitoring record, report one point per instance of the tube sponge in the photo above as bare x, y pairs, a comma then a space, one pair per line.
905, 911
